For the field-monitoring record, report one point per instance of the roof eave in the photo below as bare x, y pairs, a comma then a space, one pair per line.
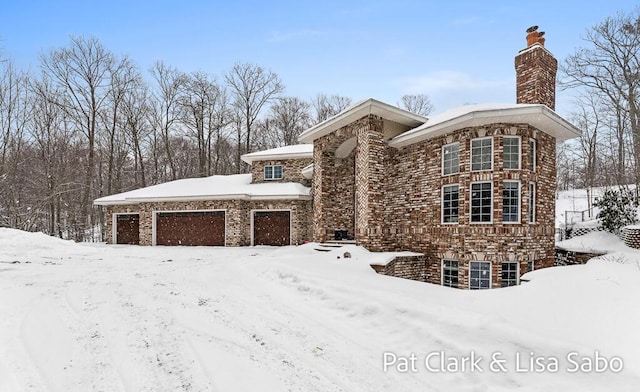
537, 115
357, 111
298, 155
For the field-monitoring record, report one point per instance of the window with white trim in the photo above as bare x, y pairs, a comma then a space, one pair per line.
481, 202
509, 274
273, 172
532, 202
450, 202
479, 275
450, 159
482, 154
532, 154
511, 152
450, 273
511, 202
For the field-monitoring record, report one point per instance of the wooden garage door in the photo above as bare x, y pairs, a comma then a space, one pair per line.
272, 228
205, 228
128, 229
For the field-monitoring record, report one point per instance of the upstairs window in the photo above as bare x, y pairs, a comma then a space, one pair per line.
273, 172
532, 202
511, 153
450, 194
481, 202
511, 202
532, 154
450, 159
482, 154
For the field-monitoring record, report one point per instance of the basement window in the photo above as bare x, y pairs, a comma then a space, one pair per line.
509, 274
273, 172
479, 275
450, 273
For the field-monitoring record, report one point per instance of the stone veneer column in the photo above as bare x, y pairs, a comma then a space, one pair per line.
369, 177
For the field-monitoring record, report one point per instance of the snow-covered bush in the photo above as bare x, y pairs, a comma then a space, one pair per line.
617, 209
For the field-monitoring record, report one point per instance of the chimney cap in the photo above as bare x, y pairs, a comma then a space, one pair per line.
534, 36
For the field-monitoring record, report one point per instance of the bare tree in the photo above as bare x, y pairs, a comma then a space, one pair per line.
288, 117
135, 112
328, 106
82, 70
416, 103
166, 110
610, 67
206, 113
590, 120
252, 88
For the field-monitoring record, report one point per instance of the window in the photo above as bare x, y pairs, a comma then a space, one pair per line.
509, 274
511, 153
482, 154
273, 172
532, 202
450, 195
450, 273
511, 202
531, 265
479, 275
481, 205
450, 159
532, 154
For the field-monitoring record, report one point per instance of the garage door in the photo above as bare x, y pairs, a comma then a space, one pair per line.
128, 229
203, 228
272, 228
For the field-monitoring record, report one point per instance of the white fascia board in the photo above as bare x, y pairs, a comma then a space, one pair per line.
356, 112
539, 116
281, 197
298, 155
203, 198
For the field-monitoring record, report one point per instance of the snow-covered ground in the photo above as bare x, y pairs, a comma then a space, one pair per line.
92, 317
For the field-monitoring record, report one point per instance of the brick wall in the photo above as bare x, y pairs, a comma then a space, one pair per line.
406, 267
238, 217
403, 209
291, 170
536, 76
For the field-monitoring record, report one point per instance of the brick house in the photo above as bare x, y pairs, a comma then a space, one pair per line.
269, 206
472, 189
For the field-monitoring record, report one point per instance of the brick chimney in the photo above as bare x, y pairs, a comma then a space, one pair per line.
536, 71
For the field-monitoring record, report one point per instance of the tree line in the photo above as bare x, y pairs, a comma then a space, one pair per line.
605, 73
90, 123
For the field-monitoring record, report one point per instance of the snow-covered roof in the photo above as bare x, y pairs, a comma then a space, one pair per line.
295, 151
356, 112
307, 171
233, 187
536, 115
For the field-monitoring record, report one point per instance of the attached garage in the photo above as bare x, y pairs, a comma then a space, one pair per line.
190, 228
127, 229
272, 228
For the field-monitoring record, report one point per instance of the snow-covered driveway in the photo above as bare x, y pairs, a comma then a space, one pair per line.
76, 317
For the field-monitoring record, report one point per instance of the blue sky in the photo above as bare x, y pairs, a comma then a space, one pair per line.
456, 52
